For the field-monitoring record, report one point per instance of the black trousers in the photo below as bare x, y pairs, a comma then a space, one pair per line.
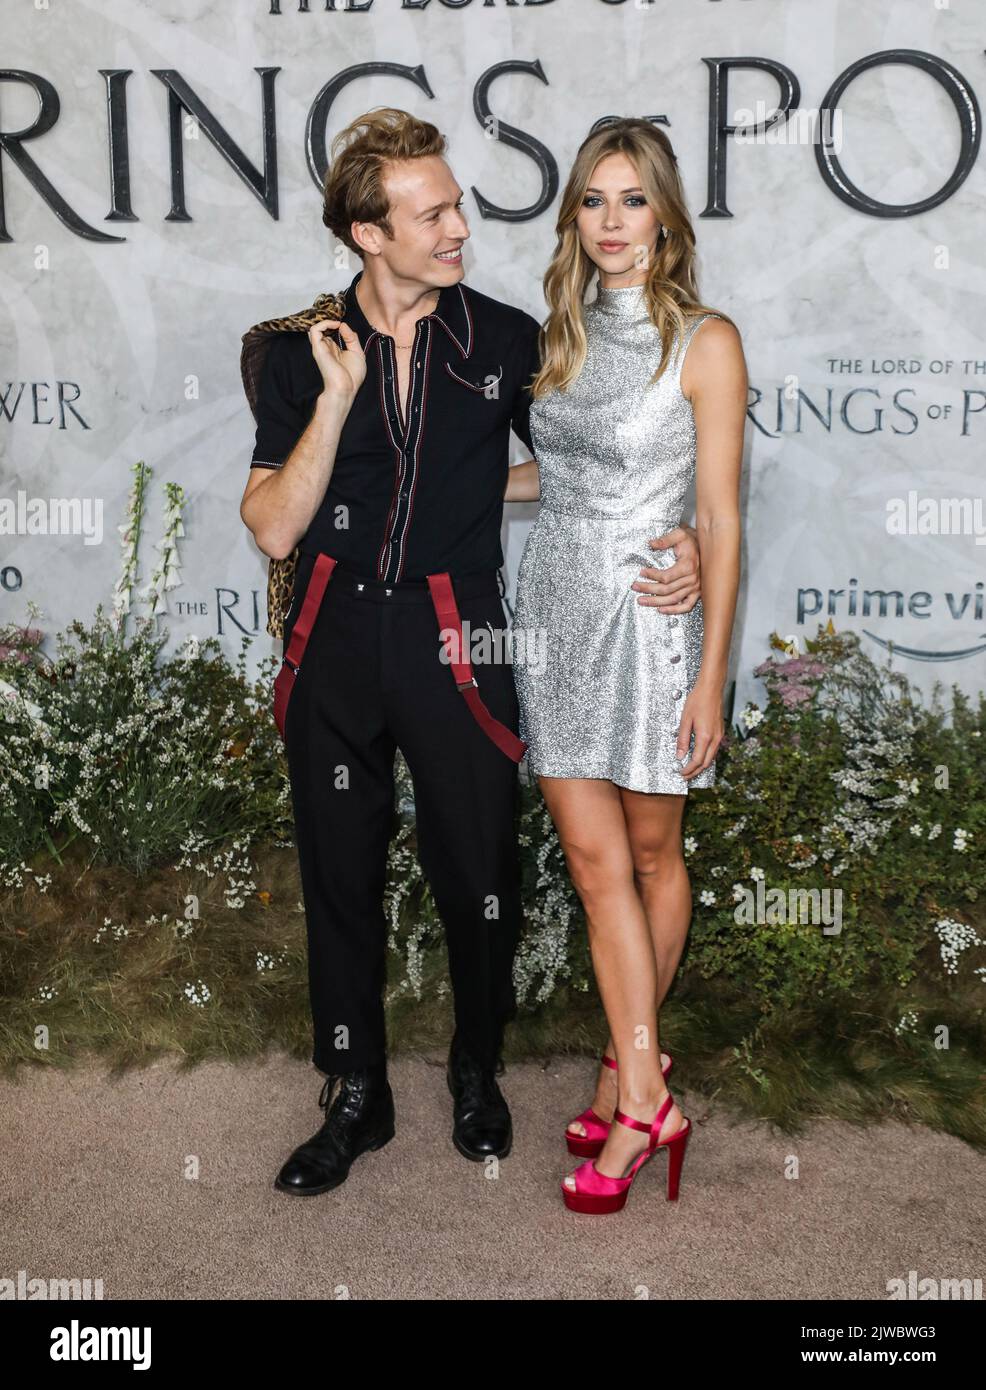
371, 682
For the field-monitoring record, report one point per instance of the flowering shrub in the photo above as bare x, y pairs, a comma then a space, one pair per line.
845, 784
140, 758
845, 781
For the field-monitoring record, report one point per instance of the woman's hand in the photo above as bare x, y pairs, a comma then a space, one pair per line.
343, 372
702, 716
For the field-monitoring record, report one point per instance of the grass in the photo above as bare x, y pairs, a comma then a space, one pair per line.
121, 999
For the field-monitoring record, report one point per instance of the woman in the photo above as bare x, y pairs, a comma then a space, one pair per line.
641, 392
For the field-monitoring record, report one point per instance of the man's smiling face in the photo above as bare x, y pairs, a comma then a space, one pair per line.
429, 226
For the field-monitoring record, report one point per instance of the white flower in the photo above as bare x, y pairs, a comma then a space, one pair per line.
955, 937
752, 716
11, 693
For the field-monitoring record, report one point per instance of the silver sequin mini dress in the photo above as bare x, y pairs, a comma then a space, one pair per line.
601, 679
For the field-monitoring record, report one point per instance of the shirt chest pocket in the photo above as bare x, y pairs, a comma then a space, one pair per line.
483, 377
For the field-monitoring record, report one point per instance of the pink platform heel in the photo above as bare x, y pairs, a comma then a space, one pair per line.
590, 1144
597, 1195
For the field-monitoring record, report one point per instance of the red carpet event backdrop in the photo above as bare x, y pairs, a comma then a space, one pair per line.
160, 163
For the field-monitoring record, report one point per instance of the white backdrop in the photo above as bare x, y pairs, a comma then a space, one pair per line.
144, 334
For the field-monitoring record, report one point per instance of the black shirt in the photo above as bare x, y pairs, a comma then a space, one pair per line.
408, 499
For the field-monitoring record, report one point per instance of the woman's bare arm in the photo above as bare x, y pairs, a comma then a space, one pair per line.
714, 378
523, 483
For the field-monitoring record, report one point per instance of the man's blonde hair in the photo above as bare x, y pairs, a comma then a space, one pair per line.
353, 187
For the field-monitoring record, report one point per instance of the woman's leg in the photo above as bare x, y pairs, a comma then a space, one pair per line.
592, 829
654, 831
653, 824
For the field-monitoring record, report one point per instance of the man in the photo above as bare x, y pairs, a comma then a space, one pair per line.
385, 457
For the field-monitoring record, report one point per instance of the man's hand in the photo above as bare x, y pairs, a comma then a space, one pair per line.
678, 588
343, 373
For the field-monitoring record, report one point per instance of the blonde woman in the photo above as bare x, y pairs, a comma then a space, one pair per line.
641, 391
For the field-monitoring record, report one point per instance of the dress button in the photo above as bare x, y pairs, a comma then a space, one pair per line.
677, 694
673, 623
676, 657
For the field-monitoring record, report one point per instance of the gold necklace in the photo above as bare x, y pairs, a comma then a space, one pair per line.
403, 346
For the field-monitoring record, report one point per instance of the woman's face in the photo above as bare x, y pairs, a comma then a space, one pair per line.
617, 227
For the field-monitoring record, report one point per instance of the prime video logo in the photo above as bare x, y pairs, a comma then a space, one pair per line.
52, 516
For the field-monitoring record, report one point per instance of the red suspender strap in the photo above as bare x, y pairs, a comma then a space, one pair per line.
300, 633
450, 623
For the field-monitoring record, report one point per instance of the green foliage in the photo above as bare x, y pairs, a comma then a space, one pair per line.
144, 759
845, 781
122, 763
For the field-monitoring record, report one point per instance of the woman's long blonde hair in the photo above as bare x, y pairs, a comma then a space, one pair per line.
671, 289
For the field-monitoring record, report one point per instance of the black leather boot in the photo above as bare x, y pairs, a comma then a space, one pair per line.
360, 1118
481, 1126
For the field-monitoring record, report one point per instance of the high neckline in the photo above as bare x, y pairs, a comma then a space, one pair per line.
622, 300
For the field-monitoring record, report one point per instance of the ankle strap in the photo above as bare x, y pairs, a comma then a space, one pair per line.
609, 1062
653, 1129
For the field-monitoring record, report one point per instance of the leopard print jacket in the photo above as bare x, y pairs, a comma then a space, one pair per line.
256, 341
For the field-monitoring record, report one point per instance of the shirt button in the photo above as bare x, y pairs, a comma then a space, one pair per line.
404, 495
674, 622
677, 657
